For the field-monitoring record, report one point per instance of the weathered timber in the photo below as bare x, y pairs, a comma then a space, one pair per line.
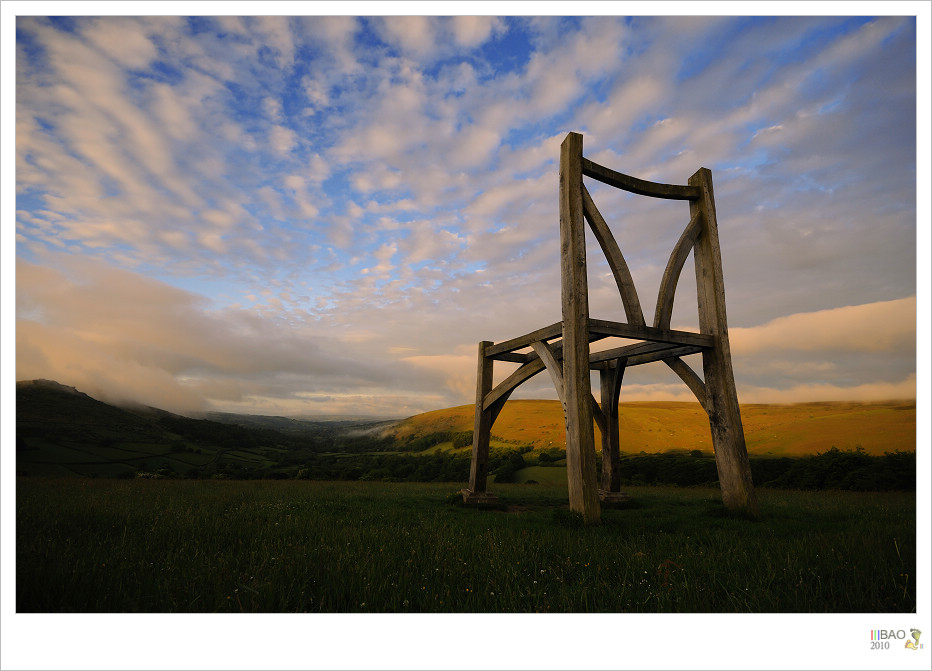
597, 415
544, 334
570, 360
731, 457
610, 382
671, 274
532, 364
612, 498
633, 332
693, 381
639, 186
479, 498
651, 357
629, 295
514, 357
641, 353
506, 386
580, 448
527, 357
482, 428
549, 360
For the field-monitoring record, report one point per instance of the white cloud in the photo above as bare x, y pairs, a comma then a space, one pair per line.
472, 31
873, 391
875, 327
237, 156
123, 40
122, 336
282, 139
414, 35
275, 34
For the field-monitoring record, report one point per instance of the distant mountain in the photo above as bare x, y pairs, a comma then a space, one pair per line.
62, 431
303, 425
50, 409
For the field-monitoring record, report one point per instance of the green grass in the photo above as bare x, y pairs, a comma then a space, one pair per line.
544, 475
296, 546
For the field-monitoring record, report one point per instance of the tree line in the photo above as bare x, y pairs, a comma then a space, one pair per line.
853, 470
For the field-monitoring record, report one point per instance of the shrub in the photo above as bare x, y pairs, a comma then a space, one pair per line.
513, 463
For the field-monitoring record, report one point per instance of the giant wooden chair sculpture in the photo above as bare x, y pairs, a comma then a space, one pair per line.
569, 360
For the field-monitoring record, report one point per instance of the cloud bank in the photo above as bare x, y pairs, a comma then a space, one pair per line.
302, 215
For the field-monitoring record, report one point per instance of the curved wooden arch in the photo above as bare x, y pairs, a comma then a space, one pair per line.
693, 381
639, 186
671, 274
623, 279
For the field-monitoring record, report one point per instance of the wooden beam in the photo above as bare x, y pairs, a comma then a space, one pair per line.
548, 359
514, 357
580, 447
731, 457
544, 334
531, 366
610, 382
659, 352
638, 186
616, 261
651, 357
693, 381
506, 386
496, 408
482, 425
671, 274
626, 351
598, 416
632, 332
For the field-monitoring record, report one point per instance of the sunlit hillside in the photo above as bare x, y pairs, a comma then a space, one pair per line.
779, 430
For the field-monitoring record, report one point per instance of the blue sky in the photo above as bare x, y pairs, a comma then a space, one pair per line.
316, 215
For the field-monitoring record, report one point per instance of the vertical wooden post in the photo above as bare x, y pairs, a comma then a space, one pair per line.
580, 442
731, 456
610, 378
482, 429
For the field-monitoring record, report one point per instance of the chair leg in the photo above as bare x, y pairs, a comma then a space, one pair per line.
610, 382
731, 455
482, 429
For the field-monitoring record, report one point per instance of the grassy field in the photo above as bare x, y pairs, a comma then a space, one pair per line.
790, 430
301, 546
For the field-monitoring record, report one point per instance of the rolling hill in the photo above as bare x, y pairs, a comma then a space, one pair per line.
61, 431
791, 430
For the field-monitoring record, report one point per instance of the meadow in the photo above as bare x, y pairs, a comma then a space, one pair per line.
107, 545
771, 430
